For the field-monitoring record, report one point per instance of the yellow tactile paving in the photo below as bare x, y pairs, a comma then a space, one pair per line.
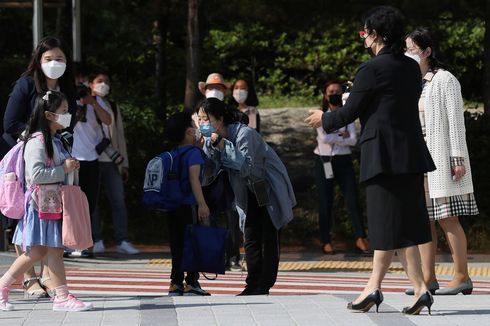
345, 266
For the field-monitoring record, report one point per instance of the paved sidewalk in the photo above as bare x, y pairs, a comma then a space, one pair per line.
305, 310
309, 310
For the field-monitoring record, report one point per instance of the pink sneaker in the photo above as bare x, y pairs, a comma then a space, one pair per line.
70, 303
4, 300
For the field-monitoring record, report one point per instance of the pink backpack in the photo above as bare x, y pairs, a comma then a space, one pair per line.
12, 191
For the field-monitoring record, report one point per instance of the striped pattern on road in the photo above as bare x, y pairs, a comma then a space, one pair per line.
348, 266
139, 282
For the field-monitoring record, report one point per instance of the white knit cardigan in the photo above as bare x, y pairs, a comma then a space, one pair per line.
446, 135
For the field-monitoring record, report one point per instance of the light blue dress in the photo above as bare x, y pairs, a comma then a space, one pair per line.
32, 231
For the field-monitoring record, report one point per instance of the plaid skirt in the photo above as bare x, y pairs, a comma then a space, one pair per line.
439, 208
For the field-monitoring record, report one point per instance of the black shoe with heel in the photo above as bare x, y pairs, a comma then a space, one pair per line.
374, 298
425, 300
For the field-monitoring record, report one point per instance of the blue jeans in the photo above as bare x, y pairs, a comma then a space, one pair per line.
343, 172
112, 185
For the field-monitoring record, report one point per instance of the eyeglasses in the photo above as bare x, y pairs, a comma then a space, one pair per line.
363, 34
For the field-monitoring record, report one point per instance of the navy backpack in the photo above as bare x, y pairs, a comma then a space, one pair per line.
162, 189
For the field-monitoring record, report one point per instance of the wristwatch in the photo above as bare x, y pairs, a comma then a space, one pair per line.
216, 142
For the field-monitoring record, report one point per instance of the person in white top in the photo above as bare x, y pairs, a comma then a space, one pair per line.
114, 171
449, 189
246, 99
92, 113
334, 162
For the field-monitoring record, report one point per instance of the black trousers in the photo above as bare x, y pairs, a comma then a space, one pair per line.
90, 184
177, 221
344, 175
261, 247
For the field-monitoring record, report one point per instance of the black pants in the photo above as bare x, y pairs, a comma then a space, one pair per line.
261, 247
177, 220
344, 174
90, 184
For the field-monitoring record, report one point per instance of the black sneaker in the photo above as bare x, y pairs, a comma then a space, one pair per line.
195, 289
175, 290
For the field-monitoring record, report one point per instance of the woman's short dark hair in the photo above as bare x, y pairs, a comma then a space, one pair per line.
324, 91
176, 126
46, 102
388, 23
96, 73
219, 109
252, 99
424, 39
34, 70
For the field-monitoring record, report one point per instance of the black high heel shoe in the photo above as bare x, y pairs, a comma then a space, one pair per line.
425, 300
374, 298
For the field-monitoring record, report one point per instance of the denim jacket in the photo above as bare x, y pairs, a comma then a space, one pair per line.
247, 158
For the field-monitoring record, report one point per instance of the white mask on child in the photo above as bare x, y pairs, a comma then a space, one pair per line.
64, 119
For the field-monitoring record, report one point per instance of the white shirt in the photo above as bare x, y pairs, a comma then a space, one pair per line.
86, 135
334, 143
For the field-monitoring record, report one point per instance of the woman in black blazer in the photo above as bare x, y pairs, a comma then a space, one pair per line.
394, 156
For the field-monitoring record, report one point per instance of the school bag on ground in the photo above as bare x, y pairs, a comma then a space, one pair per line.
162, 188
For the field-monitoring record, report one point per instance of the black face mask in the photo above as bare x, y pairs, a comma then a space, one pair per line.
335, 99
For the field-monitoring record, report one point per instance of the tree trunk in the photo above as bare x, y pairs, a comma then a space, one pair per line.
486, 92
160, 43
192, 55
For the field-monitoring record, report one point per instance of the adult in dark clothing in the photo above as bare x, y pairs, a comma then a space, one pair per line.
394, 156
50, 68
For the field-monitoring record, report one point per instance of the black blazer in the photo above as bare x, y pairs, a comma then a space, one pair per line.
20, 105
385, 98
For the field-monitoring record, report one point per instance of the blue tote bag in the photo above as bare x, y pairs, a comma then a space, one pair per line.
204, 249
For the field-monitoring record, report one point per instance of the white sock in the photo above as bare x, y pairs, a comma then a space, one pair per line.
61, 292
6, 281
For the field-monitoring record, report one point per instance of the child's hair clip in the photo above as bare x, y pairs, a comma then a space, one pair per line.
46, 96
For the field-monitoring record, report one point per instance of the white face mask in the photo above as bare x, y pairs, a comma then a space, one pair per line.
102, 89
64, 119
53, 69
240, 95
415, 57
215, 93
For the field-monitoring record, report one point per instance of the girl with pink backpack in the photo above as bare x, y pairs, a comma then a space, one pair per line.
47, 164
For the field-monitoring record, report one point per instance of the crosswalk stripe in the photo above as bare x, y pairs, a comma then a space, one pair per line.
156, 282
153, 282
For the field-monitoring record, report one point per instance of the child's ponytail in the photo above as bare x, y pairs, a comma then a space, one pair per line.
47, 102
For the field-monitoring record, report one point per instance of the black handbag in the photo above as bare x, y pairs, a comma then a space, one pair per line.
218, 194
